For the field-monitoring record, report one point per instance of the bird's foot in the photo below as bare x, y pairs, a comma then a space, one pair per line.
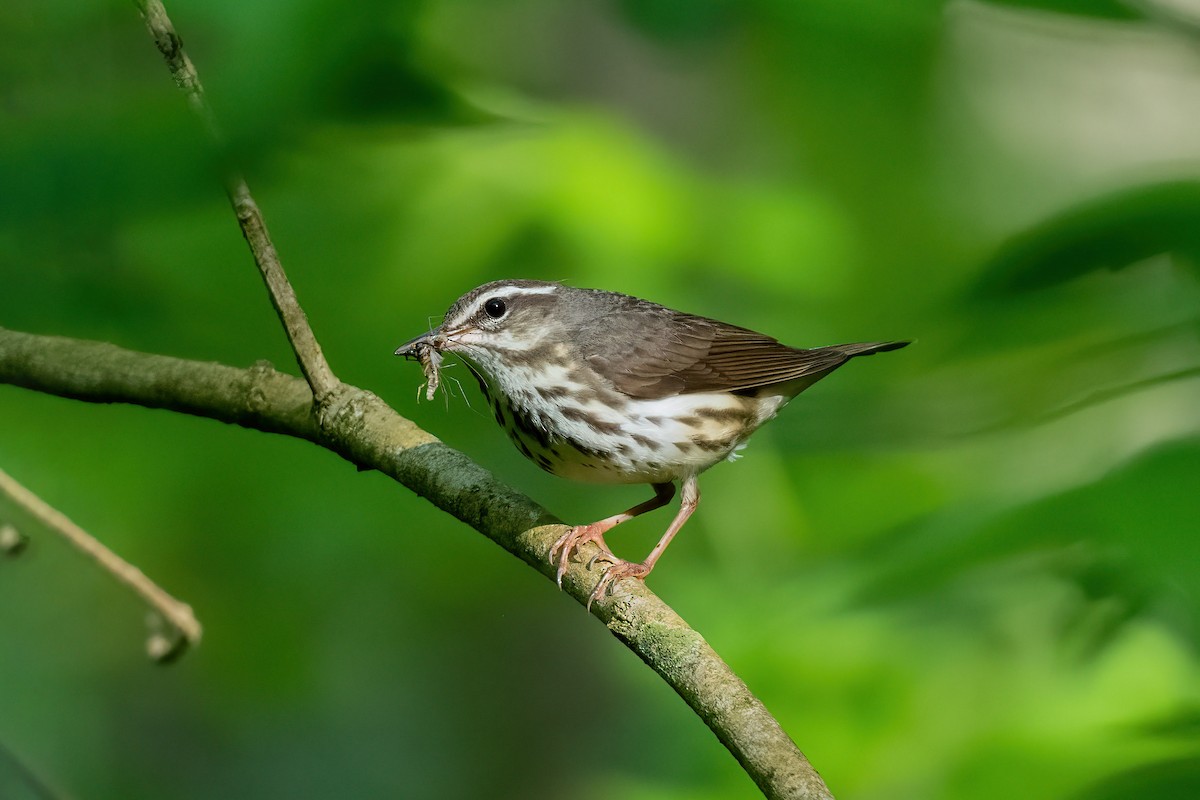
570, 542
617, 570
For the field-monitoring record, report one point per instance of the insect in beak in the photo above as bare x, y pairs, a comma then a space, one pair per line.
414, 347
423, 349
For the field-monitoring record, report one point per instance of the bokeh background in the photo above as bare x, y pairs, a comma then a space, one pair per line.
964, 570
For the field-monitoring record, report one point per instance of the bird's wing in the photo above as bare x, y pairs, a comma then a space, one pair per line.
681, 354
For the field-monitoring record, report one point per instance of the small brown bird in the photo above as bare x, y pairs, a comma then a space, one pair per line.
604, 387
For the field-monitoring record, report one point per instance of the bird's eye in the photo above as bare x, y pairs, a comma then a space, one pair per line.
495, 308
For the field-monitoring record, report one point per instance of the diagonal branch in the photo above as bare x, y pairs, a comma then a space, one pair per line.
178, 614
308, 352
364, 430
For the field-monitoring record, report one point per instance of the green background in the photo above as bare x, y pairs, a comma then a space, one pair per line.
964, 570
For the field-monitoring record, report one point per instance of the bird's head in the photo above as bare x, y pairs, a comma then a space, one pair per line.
499, 326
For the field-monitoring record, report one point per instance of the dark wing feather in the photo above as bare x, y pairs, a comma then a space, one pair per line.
673, 353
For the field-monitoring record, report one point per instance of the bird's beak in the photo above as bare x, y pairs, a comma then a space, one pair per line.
410, 348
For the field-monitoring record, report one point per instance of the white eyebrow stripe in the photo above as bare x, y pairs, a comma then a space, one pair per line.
516, 291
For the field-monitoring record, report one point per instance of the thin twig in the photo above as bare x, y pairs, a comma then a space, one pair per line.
178, 614
308, 352
40, 788
369, 434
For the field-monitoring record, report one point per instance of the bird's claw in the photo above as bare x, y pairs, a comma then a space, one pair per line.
570, 542
617, 570
603, 555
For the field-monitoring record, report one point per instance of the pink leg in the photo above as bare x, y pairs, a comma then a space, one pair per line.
570, 541
689, 499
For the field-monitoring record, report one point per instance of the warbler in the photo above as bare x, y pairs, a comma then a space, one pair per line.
603, 387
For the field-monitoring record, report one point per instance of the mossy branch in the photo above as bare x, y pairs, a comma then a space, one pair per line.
365, 431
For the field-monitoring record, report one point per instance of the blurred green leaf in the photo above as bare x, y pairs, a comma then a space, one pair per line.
1178, 779
1104, 9
681, 20
1109, 232
1127, 541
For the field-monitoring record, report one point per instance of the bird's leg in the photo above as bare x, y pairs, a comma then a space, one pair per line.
570, 541
689, 498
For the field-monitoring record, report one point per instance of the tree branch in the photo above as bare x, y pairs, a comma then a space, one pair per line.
362, 429
295, 323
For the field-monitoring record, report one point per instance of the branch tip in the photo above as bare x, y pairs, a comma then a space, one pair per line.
12, 541
165, 642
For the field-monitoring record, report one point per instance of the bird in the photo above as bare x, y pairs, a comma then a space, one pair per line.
603, 387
